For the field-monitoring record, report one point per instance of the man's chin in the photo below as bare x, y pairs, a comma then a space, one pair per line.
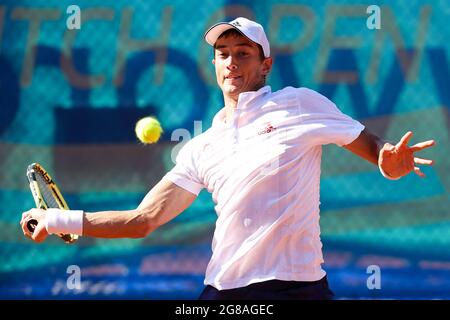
231, 90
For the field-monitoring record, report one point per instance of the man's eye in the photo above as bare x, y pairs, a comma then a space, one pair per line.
243, 53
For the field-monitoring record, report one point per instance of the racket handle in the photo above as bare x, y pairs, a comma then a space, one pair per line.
31, 225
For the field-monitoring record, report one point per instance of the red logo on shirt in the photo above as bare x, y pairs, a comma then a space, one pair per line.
267, 129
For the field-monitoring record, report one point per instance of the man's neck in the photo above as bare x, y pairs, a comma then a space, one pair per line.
231, 104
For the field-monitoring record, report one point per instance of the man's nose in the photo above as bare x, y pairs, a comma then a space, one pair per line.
231, 65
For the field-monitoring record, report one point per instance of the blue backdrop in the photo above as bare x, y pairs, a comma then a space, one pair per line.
69, 99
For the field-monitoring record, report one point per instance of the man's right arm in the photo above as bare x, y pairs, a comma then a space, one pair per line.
161, 204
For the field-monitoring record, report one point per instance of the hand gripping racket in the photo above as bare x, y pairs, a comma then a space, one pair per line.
46, 195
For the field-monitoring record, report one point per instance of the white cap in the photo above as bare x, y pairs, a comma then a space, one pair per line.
252, 30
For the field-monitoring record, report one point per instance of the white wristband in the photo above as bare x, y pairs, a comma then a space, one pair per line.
386, 175
64, 221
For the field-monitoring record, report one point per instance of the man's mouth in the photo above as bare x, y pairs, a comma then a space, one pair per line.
232, 77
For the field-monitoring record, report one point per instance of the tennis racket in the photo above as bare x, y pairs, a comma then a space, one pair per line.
46, 195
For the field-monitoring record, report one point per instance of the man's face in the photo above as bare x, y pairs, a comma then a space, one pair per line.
238, 64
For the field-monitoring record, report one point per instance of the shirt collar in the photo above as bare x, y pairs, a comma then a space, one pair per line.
244, 100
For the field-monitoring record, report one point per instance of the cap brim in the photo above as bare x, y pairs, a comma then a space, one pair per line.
216, 30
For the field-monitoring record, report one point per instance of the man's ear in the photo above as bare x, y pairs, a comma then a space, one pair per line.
213, 61
267, 65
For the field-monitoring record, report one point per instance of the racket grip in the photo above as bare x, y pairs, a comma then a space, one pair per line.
31, 225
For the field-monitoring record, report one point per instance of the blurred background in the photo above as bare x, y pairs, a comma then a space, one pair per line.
69, 99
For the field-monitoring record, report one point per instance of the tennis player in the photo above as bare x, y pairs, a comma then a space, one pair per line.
261, 161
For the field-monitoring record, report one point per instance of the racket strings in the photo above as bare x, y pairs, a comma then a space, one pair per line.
46, 192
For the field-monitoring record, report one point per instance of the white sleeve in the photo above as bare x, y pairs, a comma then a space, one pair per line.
184, 174
324, 122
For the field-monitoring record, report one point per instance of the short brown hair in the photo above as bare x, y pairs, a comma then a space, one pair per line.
235, 33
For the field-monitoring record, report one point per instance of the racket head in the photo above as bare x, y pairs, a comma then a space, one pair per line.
46, 195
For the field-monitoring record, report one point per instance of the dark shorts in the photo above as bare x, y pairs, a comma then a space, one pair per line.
273, 290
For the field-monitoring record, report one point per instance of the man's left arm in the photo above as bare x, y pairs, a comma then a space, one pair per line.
394, 161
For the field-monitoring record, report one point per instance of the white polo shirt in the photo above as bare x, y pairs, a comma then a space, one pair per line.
263, 170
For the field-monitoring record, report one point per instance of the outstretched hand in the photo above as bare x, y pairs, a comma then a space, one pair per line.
399, 160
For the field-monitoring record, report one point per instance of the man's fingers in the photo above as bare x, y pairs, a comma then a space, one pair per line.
25, 230
405, 139
422, 145
423, 161
418, 172
39, 233
24, 216
22, 224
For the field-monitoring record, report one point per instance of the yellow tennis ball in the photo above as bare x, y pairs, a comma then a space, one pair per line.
148, 130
